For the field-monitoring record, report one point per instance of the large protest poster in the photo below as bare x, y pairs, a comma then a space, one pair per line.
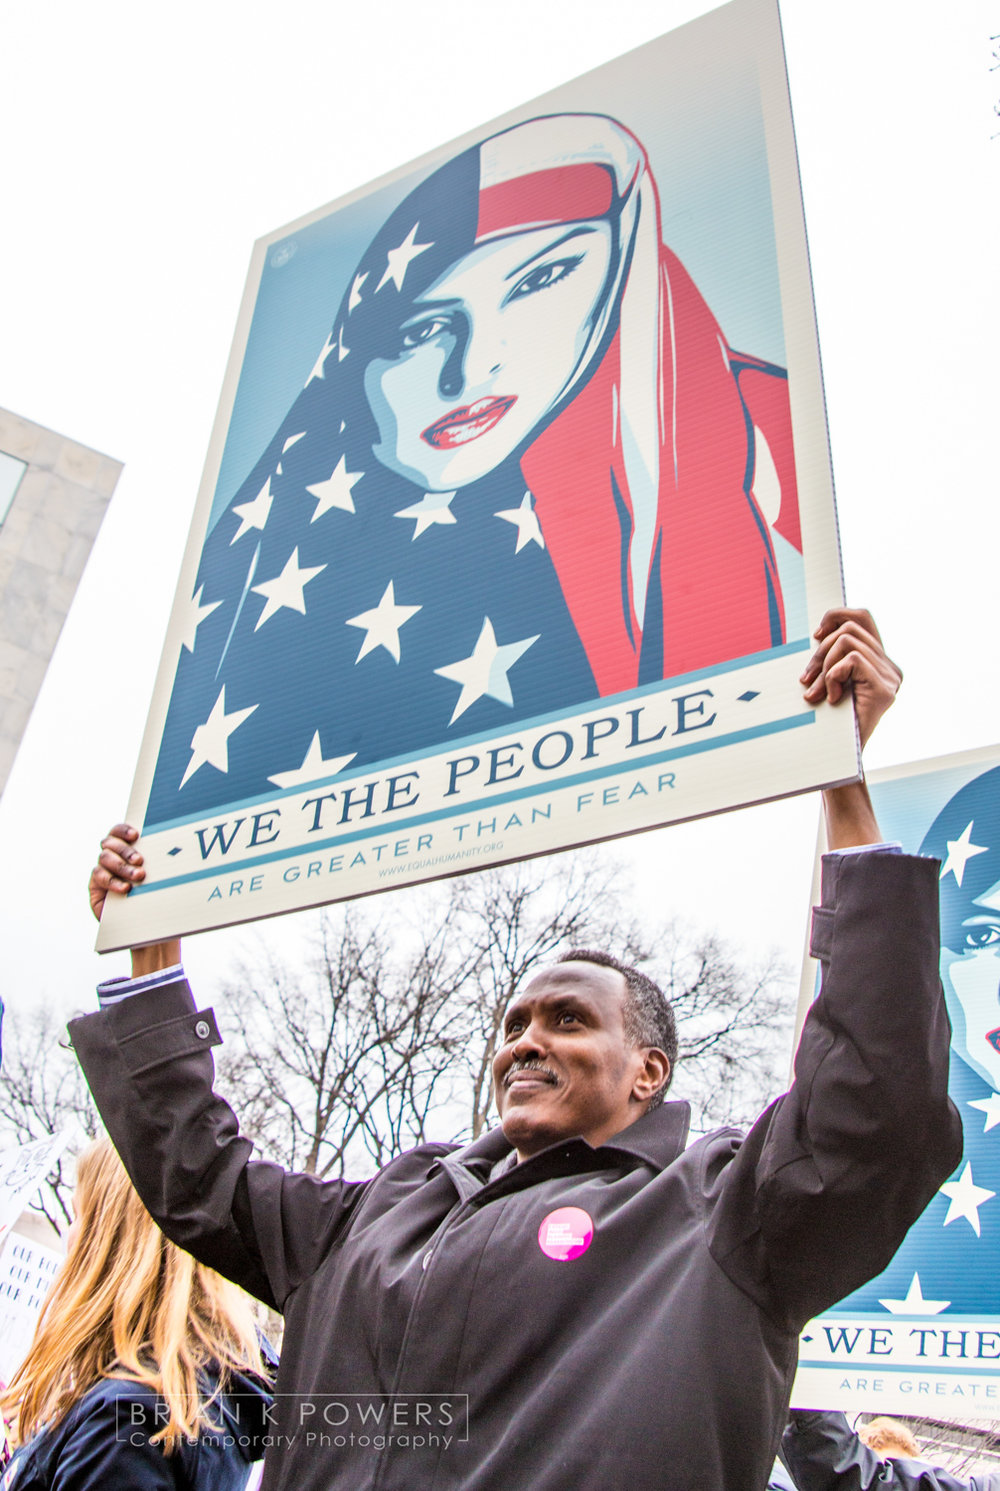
518, 510
924, 1337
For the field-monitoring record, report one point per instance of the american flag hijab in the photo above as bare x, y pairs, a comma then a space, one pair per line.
668, 565
339, 596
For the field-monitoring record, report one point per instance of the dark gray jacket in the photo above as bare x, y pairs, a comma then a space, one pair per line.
661, 1356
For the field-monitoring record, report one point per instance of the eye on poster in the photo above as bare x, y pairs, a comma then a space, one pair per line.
518, 510
924, 1337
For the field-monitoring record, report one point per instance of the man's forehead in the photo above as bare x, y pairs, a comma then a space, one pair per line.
593, 982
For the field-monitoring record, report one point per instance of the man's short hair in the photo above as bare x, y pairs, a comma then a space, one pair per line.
649, 1018
889, 1437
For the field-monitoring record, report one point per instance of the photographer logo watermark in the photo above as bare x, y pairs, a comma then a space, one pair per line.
345, 1421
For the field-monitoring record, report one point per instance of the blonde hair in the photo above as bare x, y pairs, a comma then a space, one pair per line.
128, 1304
889, 1437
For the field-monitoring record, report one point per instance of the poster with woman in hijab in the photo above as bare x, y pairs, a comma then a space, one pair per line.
518, 512
924, 1336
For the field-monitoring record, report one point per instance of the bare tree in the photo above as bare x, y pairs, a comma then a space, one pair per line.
350, 1054
735, 1024
42, 1090
390, 1024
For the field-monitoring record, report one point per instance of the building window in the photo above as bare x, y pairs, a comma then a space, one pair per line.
11, 471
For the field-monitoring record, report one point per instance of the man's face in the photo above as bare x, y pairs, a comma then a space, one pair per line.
565, 1067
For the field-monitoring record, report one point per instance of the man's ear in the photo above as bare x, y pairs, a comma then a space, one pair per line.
652, 1075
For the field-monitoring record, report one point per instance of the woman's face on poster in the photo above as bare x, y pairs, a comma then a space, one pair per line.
972, 986
486, 353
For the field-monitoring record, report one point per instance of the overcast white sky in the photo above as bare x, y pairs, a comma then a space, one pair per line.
146, 151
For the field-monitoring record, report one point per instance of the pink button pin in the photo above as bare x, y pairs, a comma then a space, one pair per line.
566, 1233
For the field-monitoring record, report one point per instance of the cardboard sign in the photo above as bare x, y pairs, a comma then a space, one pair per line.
22, 1171
27, 1270
924, 1337
518, 512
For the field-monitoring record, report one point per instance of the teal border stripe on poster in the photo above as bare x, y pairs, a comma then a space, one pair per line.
918, 1369
697, 748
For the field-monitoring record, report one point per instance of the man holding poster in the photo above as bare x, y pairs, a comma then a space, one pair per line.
575, 1300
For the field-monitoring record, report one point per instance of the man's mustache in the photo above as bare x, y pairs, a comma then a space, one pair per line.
530, 1064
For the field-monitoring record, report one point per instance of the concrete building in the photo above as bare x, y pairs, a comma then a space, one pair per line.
53, 493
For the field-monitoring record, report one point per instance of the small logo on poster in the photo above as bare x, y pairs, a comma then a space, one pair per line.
283, 253
566, 1233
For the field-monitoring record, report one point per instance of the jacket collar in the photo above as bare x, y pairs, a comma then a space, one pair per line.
657, 1138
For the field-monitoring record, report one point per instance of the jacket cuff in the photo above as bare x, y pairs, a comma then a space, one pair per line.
114, 990
168, 1040
153, 1026
839, 869
889, 846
